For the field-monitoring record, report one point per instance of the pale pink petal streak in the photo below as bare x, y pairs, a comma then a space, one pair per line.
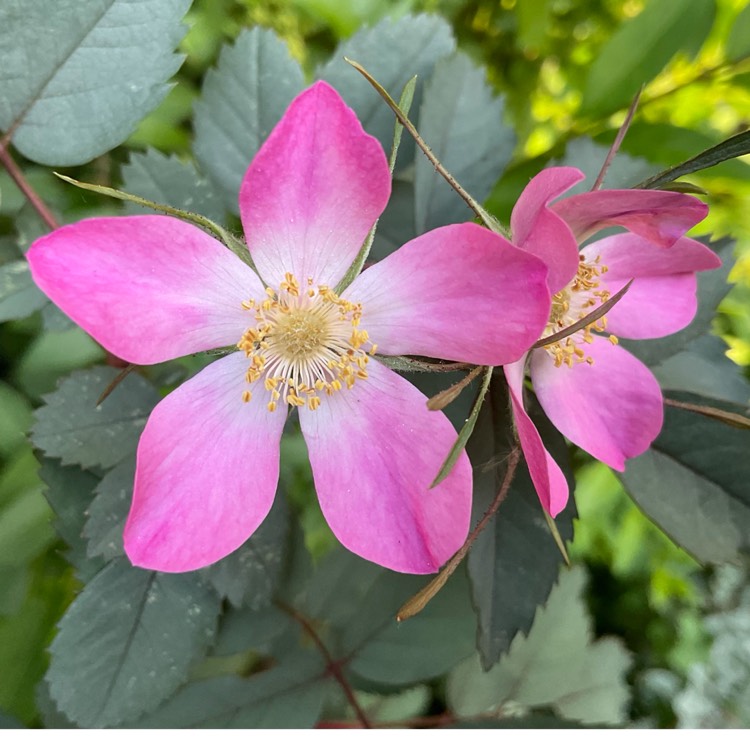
374, 451
313, 191
540, 231
658, 215
458, 292
547, 477
613, 408
147, 288
208, 466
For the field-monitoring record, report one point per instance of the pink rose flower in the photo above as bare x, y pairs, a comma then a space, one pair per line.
596, 393
151, 288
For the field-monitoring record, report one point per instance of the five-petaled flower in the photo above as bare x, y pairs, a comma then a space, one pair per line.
151, 288
596, 393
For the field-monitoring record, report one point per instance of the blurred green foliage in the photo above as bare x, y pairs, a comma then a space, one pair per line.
543, 55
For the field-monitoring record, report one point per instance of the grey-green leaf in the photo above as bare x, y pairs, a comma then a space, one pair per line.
641, 47
694, 482
19, 296
393, 51
289, 696
72, 427
78, 76
423, 647
250, 574
462, 121
556, 665
241, 101
169, 181
127, 641
109, 509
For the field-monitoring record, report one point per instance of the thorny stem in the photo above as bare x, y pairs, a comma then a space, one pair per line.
728, 417
333, 666
476, 207
615, 147
23, 184
44, 212
420, 600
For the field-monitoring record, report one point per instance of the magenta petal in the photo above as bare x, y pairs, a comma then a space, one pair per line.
547, 477
662, 298
613, 408
458, 292
375, 450
147, 288
658, 215
313, 191
540, 231
208, 465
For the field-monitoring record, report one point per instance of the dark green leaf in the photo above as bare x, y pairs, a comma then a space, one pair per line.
641, 48
712, 288
421, 648
250, 575
72, 427
462, 121
289, 696
242, 99
704, 369
737, 145
9, 722
16, 419
663, 143
69, 492
555, 665
256, 630
694, 482
515, 561
393, 52
77, 77
107, 513
19, 296
127, 641
169, 181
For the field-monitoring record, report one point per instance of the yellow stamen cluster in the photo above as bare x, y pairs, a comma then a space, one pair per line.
570, 305
304, 345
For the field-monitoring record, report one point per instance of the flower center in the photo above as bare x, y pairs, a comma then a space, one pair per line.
304, 344
570, 305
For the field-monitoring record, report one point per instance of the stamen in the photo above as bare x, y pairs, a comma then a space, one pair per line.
304, 345
570, 305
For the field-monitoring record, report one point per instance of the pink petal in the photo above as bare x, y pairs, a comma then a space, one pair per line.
313, 191
612, 409
207, 470
653, 306
548, 479
540, 231
658, 215
147, 288
458, 292
662, 298
629, 256
375, 450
